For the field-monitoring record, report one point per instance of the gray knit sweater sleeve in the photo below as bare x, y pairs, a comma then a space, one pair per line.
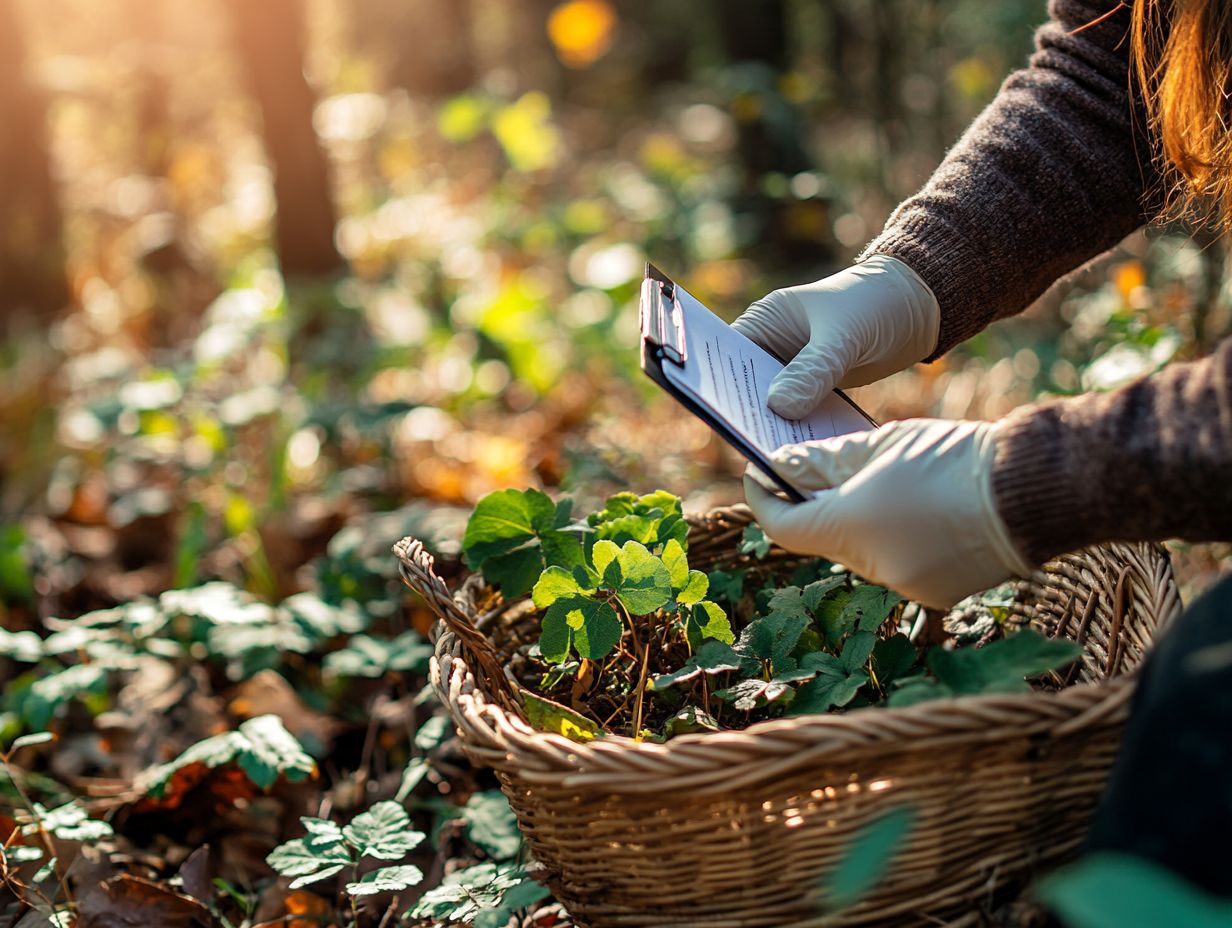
1049, 176
1150, 461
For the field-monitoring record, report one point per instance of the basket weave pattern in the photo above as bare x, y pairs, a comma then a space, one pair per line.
741, 829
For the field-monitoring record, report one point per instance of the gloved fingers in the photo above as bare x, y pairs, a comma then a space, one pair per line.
777, 323
819, 465
794, 526
755, 473
812, 374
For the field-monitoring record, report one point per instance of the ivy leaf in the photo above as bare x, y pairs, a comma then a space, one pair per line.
652, 520
433, 733
917, 690
383, 832
42, 698
69, 822
772, 638
677, 563
465, 895
322, 829
827, 691
838, 678
713, 657
385, 880
727, 584
818, 590
833, 617
373, 658
412, 776
689, 719
1002, 666
856, 651
789, 601
869, 606
552, 584
697, 584
271, 751
578, 622
491, 824
546, 715
707, 620
754, 692
310, 859
754, 541
262, 748
639, 579
893, 657
512, 535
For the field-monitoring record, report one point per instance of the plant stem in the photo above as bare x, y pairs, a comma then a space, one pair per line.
354, 901
48, 846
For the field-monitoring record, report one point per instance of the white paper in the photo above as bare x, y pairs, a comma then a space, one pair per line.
731, 375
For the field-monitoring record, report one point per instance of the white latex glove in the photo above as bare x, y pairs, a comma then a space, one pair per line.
859, 325
911, 508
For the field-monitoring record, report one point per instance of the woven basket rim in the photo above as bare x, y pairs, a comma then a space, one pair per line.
904, 727
489, 716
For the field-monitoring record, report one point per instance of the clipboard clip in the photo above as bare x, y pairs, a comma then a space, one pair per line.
661, 316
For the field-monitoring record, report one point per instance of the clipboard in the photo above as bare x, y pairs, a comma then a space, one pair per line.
708, 368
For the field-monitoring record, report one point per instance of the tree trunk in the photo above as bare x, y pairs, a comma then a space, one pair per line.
32, 276
269, 38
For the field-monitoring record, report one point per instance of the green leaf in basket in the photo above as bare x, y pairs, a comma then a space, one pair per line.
513, 534
554, 583
706, 620
869, 606
1119, 891
640, 580
546, 715
893, 657
772, 638
713, 657
754, 541
867, 857
576, 622
1001, 666
651, 520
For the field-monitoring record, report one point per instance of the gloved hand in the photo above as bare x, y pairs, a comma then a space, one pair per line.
859, 325
908, 505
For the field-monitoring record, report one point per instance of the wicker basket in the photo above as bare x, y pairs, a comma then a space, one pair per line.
741, 829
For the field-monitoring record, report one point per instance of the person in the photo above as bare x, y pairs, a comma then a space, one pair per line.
1121, 115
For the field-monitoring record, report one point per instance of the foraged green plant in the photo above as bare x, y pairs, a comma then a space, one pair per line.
629, 640
382, 833
46, 890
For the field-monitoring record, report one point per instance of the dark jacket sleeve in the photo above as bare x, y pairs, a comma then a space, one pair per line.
1051, 174
1150, 461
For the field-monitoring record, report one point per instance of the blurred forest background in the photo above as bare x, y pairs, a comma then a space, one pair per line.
282, 281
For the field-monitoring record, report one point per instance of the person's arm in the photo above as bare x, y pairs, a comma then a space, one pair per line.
1150, 461
937, 509
1053, 173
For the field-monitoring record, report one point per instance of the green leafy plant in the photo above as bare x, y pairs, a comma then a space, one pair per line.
47, 889
486, 895
262, 748
624, 617
382, 833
